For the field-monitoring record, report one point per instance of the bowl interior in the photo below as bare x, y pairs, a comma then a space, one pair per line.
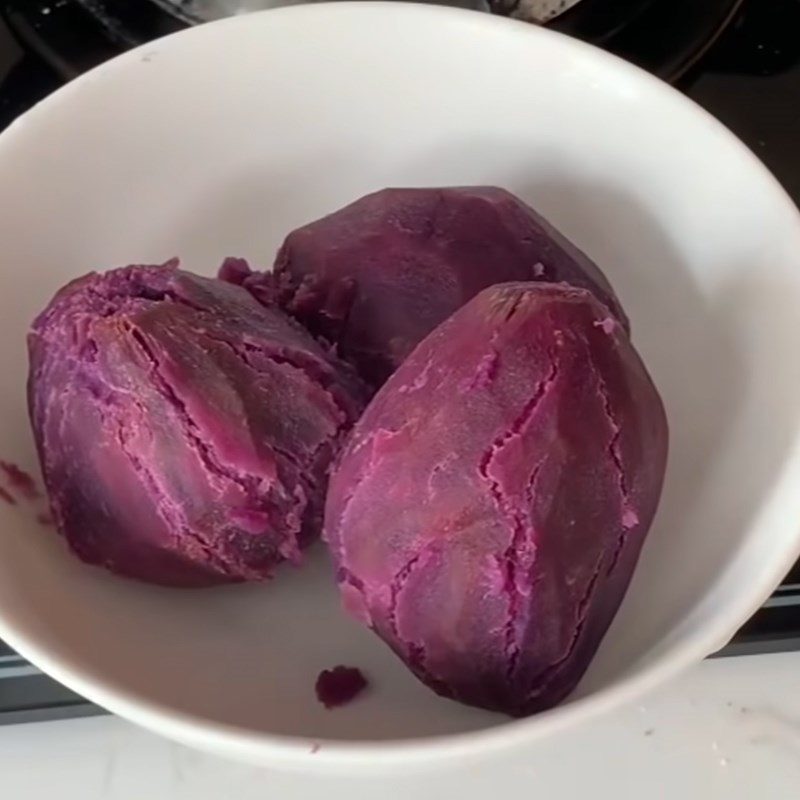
218, 141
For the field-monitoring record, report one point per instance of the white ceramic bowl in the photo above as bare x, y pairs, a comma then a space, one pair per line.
218, 141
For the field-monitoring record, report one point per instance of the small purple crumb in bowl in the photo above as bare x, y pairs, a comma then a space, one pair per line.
338, 686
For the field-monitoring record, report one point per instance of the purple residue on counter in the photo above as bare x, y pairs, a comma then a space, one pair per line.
20, 480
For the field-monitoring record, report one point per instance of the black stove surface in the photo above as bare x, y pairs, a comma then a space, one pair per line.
748, 77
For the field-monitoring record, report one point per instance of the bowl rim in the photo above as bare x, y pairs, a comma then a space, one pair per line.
692, 643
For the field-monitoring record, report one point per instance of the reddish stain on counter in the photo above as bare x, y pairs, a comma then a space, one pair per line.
20, 480
339, 685
6, 496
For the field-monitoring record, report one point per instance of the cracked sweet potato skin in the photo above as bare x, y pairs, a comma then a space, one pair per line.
185, 431
378, 275
489, 508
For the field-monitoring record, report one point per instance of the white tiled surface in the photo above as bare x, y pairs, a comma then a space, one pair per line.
730, 730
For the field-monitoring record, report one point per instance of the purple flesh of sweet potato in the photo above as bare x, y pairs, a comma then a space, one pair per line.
488, 510
185, 431
377, 276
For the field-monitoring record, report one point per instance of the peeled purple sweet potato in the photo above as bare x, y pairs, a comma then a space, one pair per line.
184, 430
489, 508
377, 276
